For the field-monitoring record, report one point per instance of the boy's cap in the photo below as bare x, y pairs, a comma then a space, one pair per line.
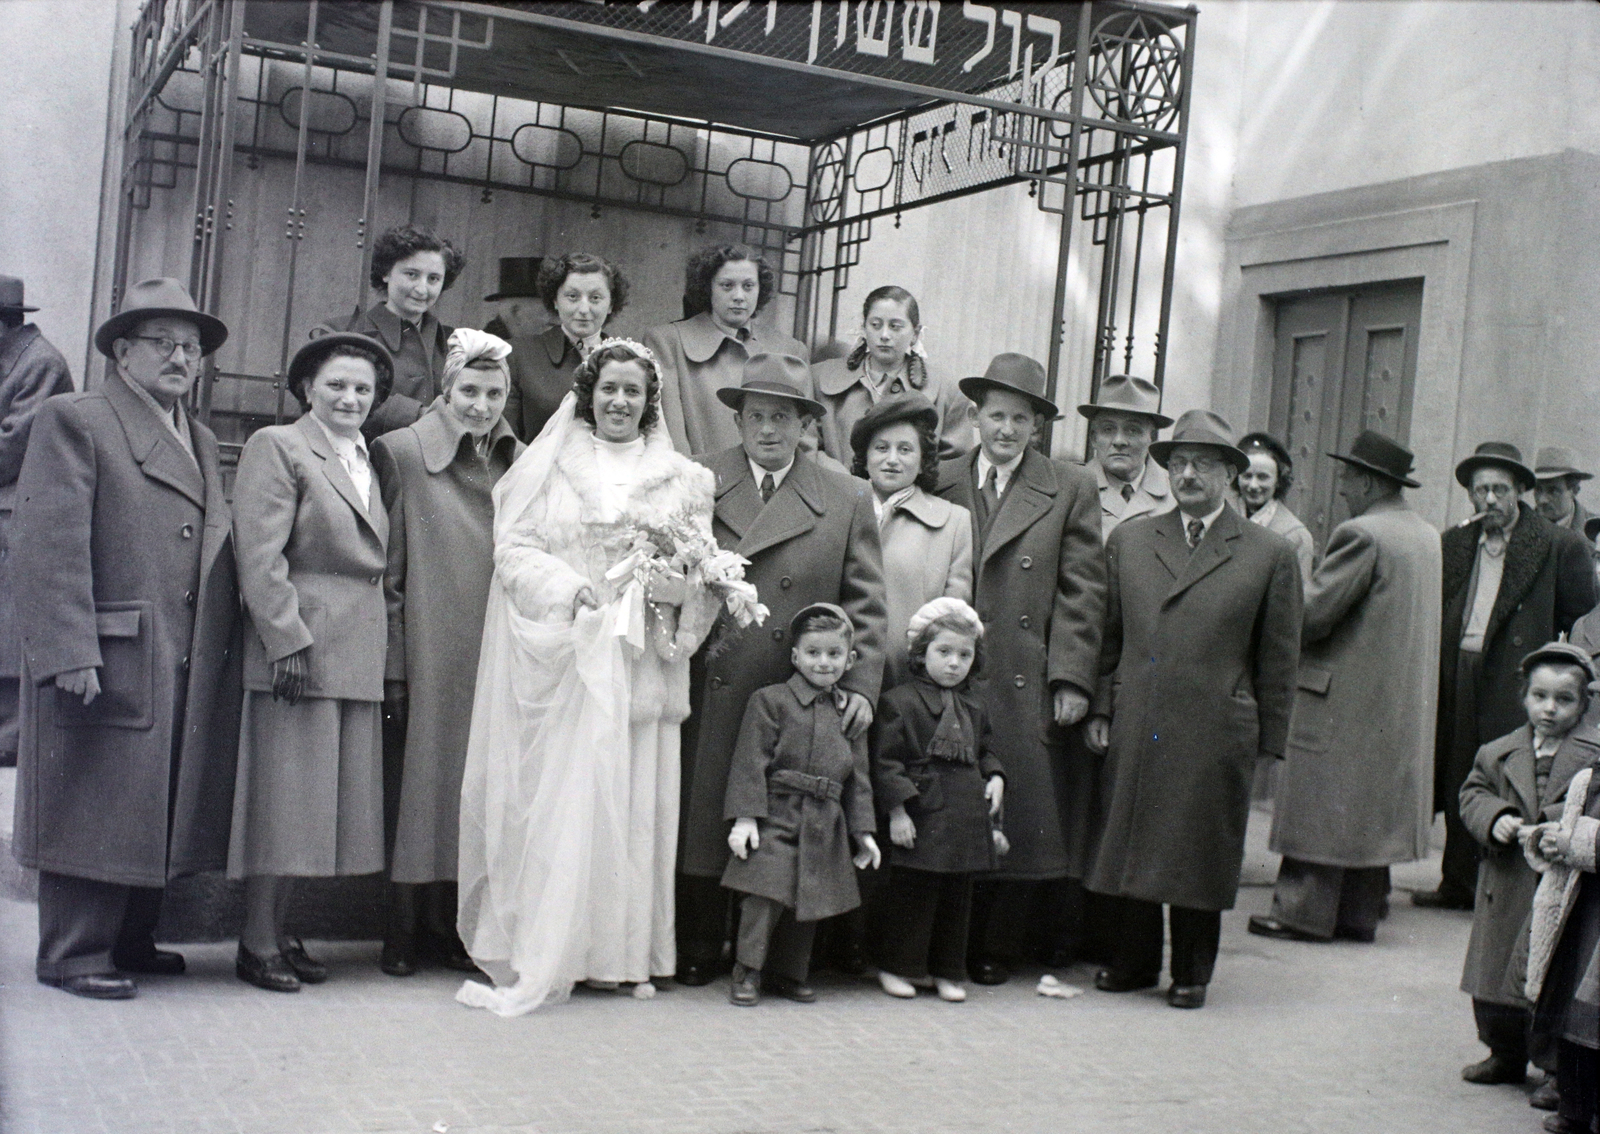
819, 608
1564, 653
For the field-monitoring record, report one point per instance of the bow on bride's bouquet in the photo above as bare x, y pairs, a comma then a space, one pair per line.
680, 548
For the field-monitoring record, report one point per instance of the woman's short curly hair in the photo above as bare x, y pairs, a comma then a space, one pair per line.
407, 240
917, 654
927, 437
703, 268
587, 375
553, 272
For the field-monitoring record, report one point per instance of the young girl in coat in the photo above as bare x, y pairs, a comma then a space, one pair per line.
798, 790
1515, 782
942, 788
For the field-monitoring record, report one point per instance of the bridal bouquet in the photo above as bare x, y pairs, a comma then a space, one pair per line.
681, 548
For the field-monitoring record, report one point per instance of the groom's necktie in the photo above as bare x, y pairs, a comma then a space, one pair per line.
768, 487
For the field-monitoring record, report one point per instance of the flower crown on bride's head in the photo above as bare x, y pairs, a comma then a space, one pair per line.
637, 348
587, 375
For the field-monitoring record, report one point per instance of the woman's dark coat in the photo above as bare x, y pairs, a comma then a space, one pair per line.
541, 374
418, 363
944, 798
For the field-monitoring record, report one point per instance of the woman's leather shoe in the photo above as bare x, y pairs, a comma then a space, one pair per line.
1187, 996
1110, 980
445, 950
308, 969
398, 958
1495, 1070
789, 989
990, 972
694, 974
1272, 927
271, 973
95, 986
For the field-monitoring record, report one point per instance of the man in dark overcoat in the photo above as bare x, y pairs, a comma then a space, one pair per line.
1197, 680
131, 642
31, 370
1039, 587
1512, 581
1355, 792
811, 536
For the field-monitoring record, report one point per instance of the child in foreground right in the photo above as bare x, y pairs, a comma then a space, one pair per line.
942, 788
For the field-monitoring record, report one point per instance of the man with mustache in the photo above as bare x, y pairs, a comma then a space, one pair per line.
131, 648
1197, 676
1512, 582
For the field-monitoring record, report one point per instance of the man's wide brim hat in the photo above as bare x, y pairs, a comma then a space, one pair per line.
1375, 453
1202, 427
1558, 460
912, 407
11, 295
519, 278
155, 299
1126, 393
1017, 373
308, 360
780, 375
1496, 455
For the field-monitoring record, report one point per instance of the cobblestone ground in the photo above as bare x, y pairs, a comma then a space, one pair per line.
1297, 1038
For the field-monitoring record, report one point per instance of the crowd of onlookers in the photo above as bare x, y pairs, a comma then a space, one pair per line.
694, 655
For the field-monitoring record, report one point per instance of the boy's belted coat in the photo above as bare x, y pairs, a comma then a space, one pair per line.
123, 544
816, 540
1198, 680
1040, 588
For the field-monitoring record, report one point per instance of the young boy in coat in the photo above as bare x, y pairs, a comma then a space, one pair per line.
942, 786
1516, 781
798, 789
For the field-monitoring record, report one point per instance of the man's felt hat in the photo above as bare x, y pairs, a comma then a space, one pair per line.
1126, 393
1201, 427
308, 360
912, 407
1558, 460
11, 295
1017, 373
1496, 455
780, 375
156, 299
1375, 453
519, 278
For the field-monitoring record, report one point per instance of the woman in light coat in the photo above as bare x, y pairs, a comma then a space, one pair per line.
437, 477
1262, 488
312, 538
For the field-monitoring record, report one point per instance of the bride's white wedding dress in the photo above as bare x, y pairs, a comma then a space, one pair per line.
569, 805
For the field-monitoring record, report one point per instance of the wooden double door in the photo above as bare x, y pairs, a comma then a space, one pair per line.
1343, 361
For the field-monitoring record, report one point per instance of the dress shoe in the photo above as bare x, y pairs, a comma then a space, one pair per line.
952, 991
1272, 927
1110, 980
1440, 900
156, 962
446, 950
1187, 996
271, 973
399, 958
897, 986
1496, 1069
306, 967
790, 989
695, 974
1546, 1096
1361, 936
95, 986
989, 972
745, 991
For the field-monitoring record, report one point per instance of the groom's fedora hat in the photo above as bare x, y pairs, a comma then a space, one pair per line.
780, 375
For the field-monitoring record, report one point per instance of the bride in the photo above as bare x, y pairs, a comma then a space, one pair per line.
569, 807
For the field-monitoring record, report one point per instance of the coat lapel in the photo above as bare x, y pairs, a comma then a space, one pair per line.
792, 511
738, 500
333, 469
1517, 767
1171, 547
158, 452
1026, 500
1580, 749
1526, 553
1212, 553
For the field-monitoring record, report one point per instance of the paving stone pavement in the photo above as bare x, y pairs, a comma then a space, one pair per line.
1299, 1039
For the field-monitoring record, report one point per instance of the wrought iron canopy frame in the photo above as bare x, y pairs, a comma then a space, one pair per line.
1089, 106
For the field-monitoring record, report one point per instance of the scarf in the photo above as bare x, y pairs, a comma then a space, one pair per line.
953, 740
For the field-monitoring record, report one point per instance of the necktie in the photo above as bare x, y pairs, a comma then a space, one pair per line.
1197, 532
991, 490
1127, 492
768, 487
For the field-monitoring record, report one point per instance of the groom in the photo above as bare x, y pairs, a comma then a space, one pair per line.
811, 536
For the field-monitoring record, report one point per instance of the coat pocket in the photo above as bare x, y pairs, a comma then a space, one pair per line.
127, 671
1311, 726
930, 789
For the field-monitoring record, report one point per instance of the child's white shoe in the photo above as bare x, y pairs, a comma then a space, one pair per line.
953, 991
644, 990
896, 986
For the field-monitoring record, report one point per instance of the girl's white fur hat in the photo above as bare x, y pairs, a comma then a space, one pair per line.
944, 607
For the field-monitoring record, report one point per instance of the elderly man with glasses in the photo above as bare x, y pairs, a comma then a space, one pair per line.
131, 644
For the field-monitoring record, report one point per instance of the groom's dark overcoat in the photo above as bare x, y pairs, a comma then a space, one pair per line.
816, 540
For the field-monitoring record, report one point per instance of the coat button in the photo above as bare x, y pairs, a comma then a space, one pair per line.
184, 664
376, 579
1019, 681
777, 635
188, 598
1025, 562
187, 531
786, 582
1023, 622
716, 683
1516, 640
